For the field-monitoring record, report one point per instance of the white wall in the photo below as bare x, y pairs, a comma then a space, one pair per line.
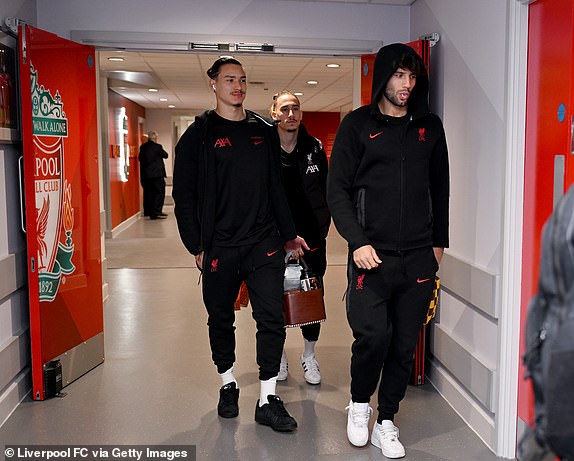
469, 77
161, 120
470, 96
15, 378
225, 17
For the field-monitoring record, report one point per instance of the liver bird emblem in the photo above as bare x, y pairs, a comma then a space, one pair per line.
41, 226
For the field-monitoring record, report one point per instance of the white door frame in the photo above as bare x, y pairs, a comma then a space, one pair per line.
509, 346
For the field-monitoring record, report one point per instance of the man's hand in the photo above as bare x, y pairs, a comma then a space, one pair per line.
199, 261
296, 246
438, 252
366, 257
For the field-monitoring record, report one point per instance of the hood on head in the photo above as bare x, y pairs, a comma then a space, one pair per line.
386, 63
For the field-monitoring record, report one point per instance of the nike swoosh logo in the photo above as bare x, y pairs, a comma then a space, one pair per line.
419, 280
271, 253
256, 143
373, 136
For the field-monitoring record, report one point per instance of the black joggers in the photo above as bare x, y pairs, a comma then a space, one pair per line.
316, 259
386, 308
262, 266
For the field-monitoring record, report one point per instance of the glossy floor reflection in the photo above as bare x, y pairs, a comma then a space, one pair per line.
159, 386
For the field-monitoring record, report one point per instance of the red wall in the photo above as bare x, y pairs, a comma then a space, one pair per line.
124, 194
323, 125
549, 84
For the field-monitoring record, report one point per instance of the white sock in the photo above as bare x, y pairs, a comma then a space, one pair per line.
309, 348
284, 356
227, 377
267, 388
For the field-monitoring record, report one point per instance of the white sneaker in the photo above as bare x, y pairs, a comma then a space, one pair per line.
386, 437
283, 368
358, 423
311, 369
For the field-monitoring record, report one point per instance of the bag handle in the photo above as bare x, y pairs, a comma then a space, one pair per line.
299, 259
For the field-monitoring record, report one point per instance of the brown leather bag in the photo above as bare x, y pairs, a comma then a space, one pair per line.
303, 307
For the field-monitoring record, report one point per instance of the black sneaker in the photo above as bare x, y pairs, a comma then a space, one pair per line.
228, 406
275, 415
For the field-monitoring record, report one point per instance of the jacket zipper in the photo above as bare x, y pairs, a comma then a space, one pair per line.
403, 141
205, 155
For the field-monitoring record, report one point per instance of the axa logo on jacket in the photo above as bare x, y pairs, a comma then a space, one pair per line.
311, 167
222, 142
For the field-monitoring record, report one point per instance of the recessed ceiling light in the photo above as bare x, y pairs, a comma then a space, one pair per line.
298, 93
163, 99
153, 90
312, 82
333, 65
116, 59
171, 106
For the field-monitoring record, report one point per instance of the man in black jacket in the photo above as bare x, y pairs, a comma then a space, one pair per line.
152, 175
232, 214
304, 166
388, 193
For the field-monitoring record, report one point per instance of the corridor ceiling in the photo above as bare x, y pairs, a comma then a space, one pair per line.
181, 81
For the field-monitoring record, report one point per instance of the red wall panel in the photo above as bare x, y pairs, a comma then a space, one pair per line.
323, 125
549, 87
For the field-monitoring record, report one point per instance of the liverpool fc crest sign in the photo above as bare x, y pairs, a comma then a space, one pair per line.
54, 212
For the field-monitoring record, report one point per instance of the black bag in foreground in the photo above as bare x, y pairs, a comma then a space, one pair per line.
549, 355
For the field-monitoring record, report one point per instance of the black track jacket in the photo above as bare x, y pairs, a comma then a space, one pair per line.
387, 188
194, 185
312, 166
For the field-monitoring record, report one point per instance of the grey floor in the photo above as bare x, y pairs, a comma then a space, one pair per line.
159, 386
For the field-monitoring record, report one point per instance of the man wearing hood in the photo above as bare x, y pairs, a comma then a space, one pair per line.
388, 193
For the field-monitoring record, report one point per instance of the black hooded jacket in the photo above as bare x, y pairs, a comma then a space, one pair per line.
388, 186
195, 189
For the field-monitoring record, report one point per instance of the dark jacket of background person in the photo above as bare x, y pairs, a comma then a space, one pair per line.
151, 157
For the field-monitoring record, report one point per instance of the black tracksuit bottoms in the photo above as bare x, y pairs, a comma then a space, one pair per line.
316, 259
386, 308
262, 267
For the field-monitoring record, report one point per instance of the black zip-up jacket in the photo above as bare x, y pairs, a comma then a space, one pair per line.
194, 185
312, 166
388, 186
